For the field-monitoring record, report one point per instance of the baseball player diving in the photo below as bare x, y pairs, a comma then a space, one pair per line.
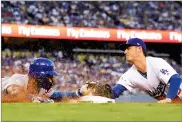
150, 74
36, 86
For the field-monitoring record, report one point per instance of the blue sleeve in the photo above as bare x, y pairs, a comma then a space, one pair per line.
175, 82
58, 95
117, 90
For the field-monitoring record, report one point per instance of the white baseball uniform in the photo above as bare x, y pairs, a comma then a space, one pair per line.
16, 79
155, 84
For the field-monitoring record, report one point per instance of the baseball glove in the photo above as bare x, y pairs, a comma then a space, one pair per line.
100, 89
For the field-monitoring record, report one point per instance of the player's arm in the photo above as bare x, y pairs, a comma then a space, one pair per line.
174, 86
59, 95
15, 93
168, 75
14, 89
175, 82
117, 90
122, 85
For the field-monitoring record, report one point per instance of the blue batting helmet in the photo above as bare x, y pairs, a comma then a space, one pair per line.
41, 67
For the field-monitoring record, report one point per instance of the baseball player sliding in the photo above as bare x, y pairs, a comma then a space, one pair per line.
36, 86
150, 74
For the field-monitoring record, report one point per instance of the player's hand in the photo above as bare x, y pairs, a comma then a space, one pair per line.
167, 100
42, 91
37, 99
87, 88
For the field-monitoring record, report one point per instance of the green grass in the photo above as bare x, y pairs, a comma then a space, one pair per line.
91, 112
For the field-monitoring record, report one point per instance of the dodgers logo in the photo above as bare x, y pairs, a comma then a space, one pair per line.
164, 71
157, 92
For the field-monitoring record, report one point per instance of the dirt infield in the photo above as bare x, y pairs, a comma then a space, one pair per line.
177, 100
18, 98
23, 97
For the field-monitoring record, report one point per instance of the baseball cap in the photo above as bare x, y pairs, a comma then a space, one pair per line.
134, 42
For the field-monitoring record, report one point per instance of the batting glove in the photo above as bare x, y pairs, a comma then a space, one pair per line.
86, 89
